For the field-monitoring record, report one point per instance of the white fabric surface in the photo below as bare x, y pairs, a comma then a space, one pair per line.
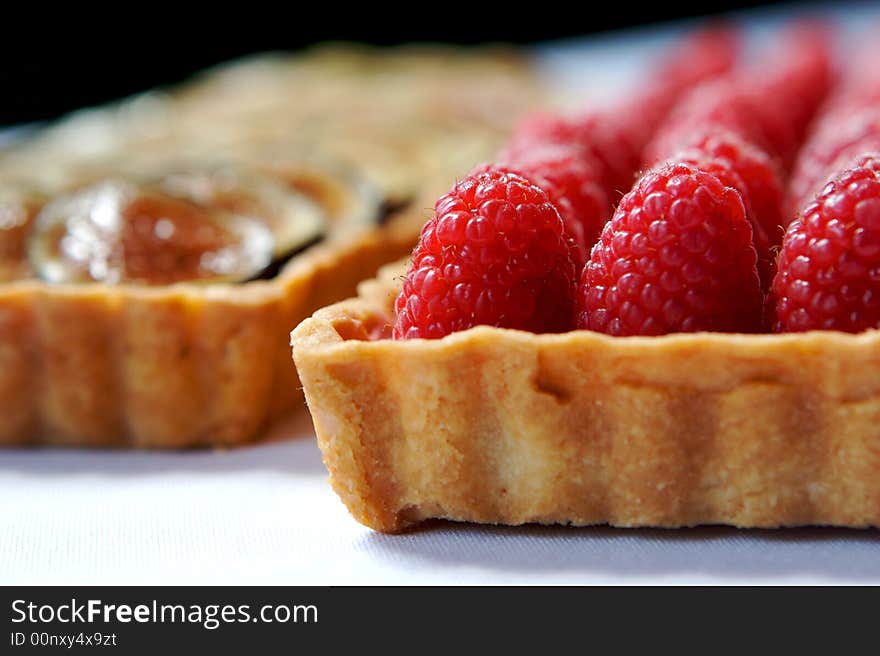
265, 514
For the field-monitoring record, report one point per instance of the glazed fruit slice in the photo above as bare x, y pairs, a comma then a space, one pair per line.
295, 220
116, 232
293, 188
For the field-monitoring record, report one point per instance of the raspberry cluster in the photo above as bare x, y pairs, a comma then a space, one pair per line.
532, 241
654, 273
493, 254
768, 106
613, 139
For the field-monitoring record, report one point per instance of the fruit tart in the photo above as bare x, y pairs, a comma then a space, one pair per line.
694, 355
155, 254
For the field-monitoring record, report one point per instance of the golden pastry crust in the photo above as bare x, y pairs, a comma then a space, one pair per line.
502, 426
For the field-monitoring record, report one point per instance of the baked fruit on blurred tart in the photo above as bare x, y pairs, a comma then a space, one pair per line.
154, 255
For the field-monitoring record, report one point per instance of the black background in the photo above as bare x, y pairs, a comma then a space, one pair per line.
50, 64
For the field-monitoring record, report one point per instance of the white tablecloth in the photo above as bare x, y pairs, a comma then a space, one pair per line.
265, 514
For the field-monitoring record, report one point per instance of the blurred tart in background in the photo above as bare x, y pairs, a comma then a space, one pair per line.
155, 254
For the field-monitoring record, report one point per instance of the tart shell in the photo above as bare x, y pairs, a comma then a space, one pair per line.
169, 367
502, 426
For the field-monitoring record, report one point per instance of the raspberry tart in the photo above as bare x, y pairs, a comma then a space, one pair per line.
711, 371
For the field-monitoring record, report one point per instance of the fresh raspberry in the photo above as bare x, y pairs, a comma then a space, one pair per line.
755, 175
698, 56
770, 106
612, 140
570, 182
785, 100
718, 105
860, 87
494, 253
836, 137
676, 257
603, 140
829, 266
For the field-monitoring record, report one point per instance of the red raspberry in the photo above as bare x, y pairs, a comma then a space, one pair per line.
754, 174
613, 140
829, 266
718, 105
860, 87
785, 100
570, 182
604, 142
837, 137
770, 106
676, 257
494, 253
698, 56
